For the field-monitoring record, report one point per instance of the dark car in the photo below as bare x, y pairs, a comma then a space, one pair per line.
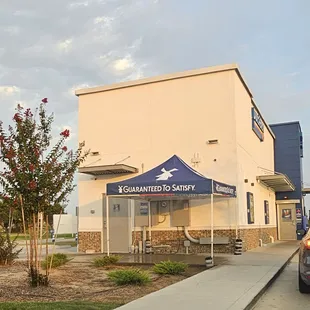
304, 262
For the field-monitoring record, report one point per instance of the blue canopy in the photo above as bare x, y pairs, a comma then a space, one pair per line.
173, 177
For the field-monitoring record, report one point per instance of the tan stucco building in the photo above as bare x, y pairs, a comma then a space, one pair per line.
209, 119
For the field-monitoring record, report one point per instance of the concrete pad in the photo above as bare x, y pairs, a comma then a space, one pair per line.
231, 286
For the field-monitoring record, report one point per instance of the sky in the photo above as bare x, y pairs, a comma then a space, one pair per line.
50, 48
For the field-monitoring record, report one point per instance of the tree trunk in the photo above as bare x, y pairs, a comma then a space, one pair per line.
47, 267
35, 243
24, 227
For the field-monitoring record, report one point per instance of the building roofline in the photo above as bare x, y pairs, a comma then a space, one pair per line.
174, 76
286, 123
165, 77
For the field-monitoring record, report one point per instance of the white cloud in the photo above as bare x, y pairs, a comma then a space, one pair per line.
12, 30
31, 50
106, 57
123, 64
136, 74
293, 74
24, 13
9, 90
103, 25
65, 46
71, 91
78, 4
136, 45
103, 20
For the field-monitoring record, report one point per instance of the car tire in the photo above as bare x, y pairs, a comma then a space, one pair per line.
303, 287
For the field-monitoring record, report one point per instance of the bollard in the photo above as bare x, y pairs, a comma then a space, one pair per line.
53, 237
238, 247
147, 246
209, 261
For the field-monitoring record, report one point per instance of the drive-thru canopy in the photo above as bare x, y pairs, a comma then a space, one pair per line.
173, 178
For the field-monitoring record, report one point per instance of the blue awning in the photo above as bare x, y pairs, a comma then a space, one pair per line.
173, 177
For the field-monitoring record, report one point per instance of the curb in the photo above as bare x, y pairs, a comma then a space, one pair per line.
270, 282
146, 264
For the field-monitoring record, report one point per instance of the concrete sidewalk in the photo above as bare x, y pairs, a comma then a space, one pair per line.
151, 259
233, 285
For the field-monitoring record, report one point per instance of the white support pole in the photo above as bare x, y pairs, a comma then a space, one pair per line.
212, 224
108, 224
102, 223
236, 215
150, 219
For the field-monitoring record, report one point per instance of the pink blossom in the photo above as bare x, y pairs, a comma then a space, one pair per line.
65, 133
28, 113
17, 117
10, 154
32, 184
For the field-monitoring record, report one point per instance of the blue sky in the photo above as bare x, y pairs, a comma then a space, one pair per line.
49, 48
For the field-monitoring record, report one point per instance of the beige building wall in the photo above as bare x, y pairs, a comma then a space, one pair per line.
152, 122
254, 159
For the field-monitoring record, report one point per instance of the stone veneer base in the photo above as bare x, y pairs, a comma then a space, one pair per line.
250, 237
89, 240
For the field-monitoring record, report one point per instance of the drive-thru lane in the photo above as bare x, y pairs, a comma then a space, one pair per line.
284, 293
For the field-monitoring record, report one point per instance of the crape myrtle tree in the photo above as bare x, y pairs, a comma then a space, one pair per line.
37, 177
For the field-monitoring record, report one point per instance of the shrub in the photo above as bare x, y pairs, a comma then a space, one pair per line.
36, 278
106, 260
59, 259
129, 276
8, 252
170, 267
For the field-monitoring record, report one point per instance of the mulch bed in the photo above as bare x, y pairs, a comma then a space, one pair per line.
79, 281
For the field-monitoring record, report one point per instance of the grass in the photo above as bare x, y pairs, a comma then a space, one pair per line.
170, 267
57, 305
130, 276
106, 261
19, 237
24, 237
59, 259
64, 243
66, 236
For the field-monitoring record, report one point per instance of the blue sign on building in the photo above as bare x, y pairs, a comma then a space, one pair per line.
257, 124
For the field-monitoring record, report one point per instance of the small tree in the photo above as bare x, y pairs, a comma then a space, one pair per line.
8, 249
10, 215
38, 176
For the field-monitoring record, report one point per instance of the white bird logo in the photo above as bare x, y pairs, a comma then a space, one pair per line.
165, 174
